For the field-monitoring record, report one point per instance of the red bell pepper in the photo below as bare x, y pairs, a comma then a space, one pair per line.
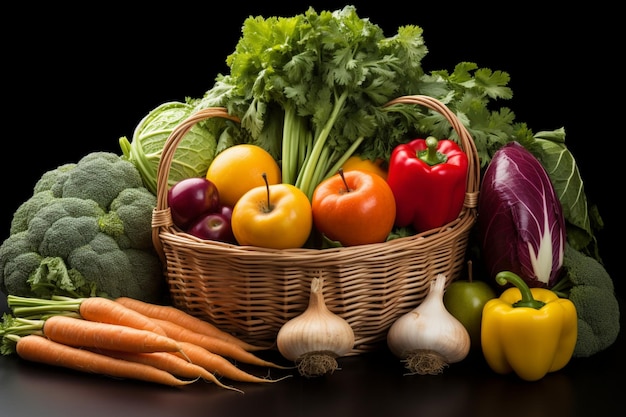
428, 178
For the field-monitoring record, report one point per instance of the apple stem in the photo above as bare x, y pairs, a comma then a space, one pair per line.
344, 180
469, 270
267, 187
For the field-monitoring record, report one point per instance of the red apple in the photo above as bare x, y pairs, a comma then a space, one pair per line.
213, 226
190, 198
226, 211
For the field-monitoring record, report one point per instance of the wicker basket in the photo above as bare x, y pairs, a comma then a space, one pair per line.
251, 291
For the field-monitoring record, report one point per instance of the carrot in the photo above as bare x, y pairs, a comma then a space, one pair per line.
84, 333
40, 349
219, 365
98, 309
176, 364
213, 344
185, 320
105, 310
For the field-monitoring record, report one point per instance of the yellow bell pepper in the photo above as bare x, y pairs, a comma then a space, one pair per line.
529, 331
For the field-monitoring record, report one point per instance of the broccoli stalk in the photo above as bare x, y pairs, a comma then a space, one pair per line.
589, 286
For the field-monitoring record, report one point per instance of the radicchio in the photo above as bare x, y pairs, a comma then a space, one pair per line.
520, 218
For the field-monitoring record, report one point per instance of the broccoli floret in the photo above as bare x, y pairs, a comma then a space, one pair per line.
62, 225
590, 287
101, 177
120, 272
85, 231
129, 208
18, 259
27, 210
53, 180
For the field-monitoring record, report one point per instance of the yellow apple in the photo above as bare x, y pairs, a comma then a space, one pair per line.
276, 216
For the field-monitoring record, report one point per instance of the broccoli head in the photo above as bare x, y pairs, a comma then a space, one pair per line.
85, 231
590, 287
98, 176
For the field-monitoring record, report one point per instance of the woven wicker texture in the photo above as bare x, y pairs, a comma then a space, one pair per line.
251, 291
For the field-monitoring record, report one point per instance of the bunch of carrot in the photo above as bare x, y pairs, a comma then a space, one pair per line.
127, 338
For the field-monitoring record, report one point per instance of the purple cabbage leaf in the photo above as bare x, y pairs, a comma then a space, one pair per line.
520, 218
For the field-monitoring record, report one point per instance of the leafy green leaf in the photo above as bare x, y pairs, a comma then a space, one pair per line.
568, 184
53, 276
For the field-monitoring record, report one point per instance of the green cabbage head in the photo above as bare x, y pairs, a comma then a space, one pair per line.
193, 154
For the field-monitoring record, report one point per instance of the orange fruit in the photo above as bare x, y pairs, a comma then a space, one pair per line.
356, 162
239, 168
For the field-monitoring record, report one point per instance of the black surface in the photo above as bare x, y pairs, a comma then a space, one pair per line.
78, 79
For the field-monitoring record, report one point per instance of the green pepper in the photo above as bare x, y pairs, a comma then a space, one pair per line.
529, 331
428, 178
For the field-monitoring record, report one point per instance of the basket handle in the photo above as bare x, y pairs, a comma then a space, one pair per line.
466, 142
161, 215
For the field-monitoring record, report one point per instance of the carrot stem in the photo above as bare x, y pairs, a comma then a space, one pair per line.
98, 309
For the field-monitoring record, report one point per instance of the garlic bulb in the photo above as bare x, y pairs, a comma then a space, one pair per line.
315, 338
428, 338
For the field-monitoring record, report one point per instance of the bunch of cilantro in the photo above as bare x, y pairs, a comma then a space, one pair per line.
311, 89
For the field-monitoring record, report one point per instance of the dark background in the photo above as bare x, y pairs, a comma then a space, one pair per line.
76, 79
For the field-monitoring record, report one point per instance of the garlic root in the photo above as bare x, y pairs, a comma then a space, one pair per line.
425, 362
317, 364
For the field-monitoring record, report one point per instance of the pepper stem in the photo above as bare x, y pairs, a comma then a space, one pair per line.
527, 300
430, 155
